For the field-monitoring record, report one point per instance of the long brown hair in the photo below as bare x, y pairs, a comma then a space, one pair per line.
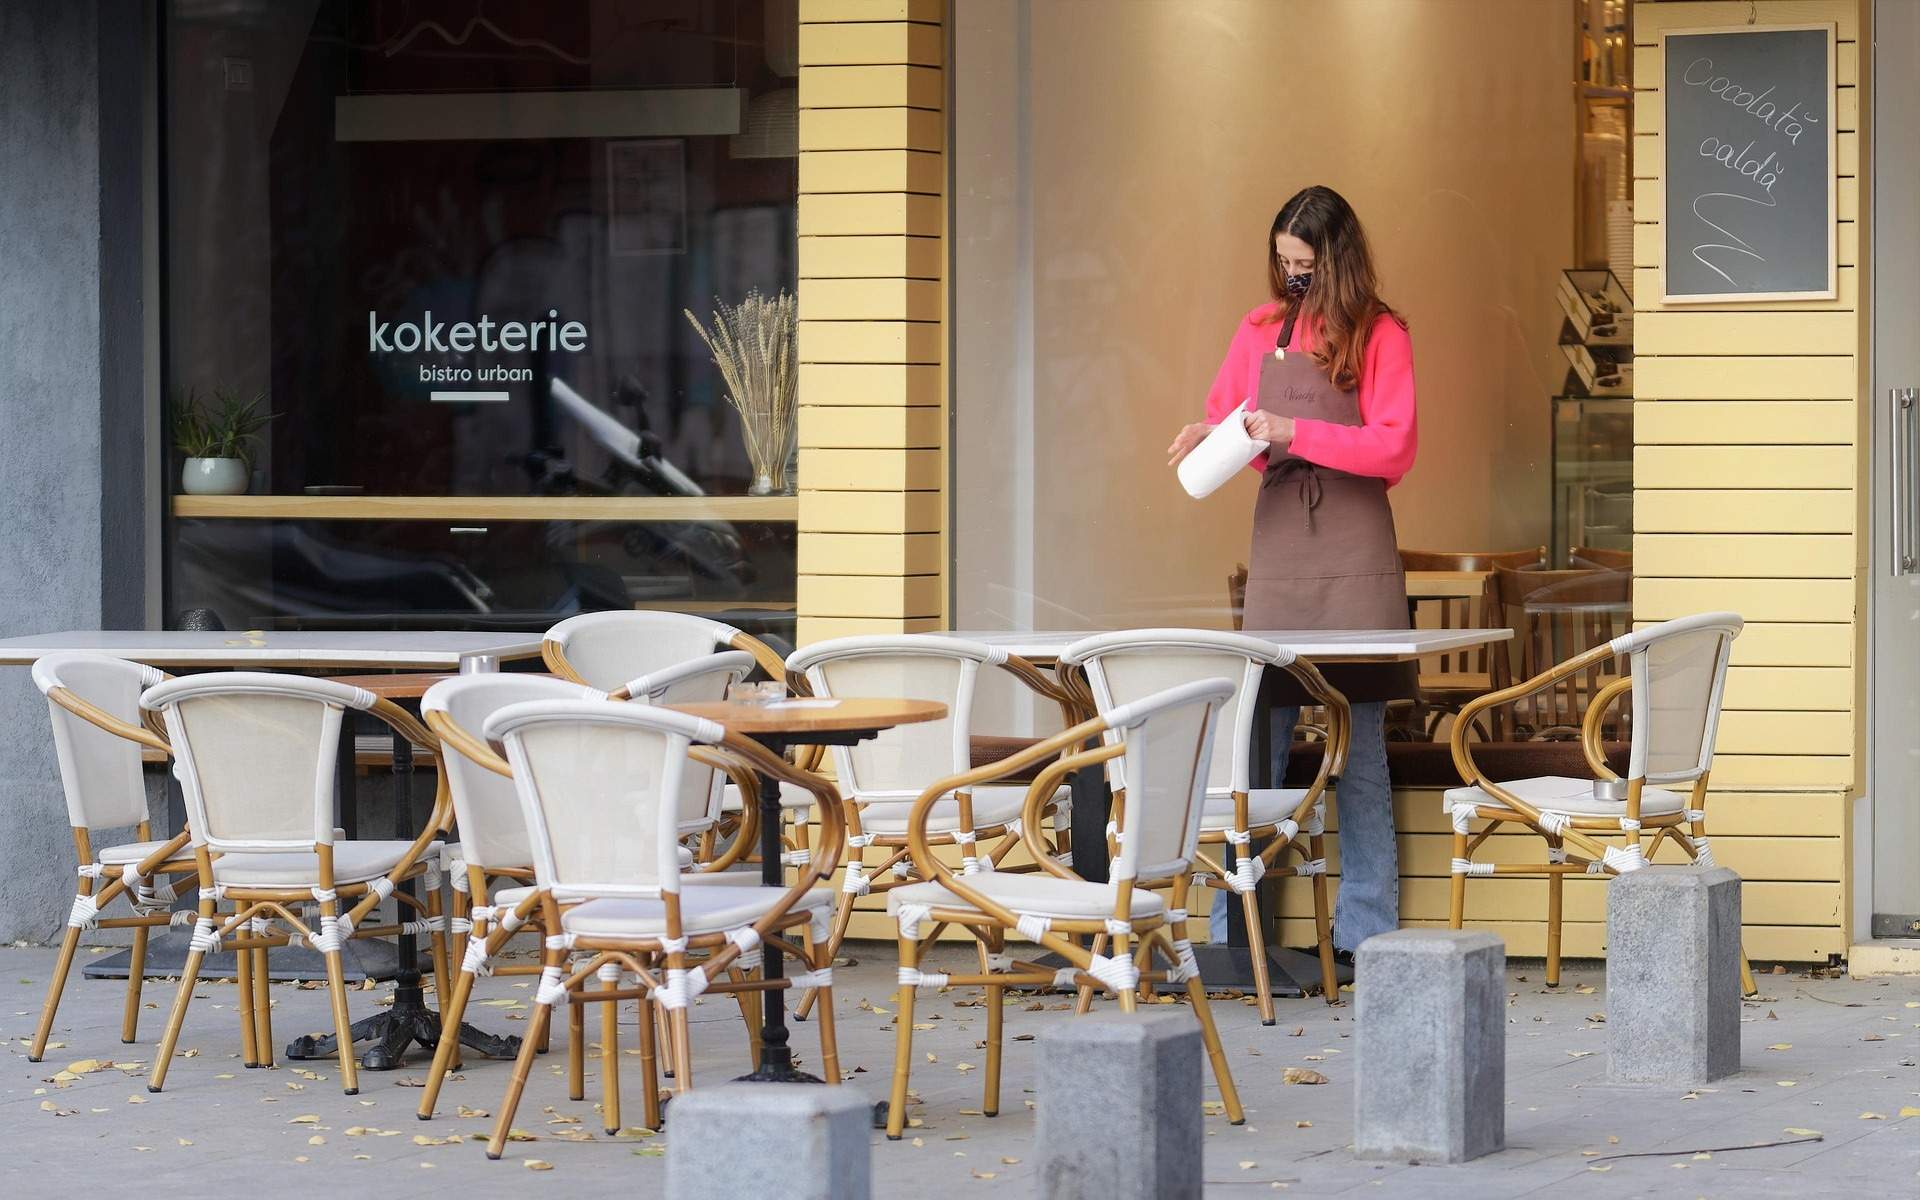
1344, 300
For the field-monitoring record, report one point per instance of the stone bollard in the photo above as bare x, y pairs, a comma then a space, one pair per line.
1117, 1108
803, 1141
1432, 1058
1673, 975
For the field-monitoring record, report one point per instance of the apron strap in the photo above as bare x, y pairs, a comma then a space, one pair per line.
1308, 476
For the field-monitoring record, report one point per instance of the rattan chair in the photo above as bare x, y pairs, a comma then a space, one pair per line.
1134, 664
1166, 740
1676, 673
1450, 681
598, 783
882, 777
256, 756
98, 732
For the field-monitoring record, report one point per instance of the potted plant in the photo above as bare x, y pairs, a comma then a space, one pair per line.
754, 345
217, 437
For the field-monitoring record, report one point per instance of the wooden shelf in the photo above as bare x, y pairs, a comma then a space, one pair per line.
782, 509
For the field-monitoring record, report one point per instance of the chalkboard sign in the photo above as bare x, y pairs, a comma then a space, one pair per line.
1749, 173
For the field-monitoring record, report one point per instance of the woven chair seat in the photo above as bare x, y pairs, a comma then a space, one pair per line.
353, 862
702, 910
1033, 896
1570, 798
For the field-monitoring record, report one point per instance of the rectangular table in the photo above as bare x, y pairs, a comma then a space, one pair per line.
1230, 965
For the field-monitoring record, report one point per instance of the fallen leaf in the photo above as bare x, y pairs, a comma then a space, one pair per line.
316, 1140
87, 1066
305, 1119
421, 1139
1303, 1124
1005, 1161
1247, 1164
538, 1164
472, 1112
1302, 1075
1585, 989
1798, 1132
1781, 1046
1296, 1031
1910, 1111
1785, 1083
1873, 1116
1580, 1054
986, 1174
184, 1141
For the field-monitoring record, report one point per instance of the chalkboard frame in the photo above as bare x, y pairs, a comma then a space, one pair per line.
1832, 289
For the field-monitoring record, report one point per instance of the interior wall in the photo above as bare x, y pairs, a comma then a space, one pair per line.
1116, 171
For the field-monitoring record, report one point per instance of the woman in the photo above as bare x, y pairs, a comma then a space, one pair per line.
1327, 368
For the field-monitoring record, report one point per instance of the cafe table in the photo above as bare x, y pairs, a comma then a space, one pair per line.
780, 725
1231, 965
302, 650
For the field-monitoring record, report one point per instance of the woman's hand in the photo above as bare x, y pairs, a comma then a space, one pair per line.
1271, 428
1186, 440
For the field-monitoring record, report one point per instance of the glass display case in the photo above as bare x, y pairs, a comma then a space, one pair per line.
1592, 475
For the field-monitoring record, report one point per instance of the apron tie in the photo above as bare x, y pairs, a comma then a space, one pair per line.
1309, 483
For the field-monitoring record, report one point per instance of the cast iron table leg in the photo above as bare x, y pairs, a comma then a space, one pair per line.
776, 1058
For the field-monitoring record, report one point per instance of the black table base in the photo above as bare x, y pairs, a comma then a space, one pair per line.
408, 1022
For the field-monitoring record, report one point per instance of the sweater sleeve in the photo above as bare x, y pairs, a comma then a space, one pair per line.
1236, 381
1383, 444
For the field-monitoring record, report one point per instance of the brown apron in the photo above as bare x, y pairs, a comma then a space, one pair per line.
1324, 553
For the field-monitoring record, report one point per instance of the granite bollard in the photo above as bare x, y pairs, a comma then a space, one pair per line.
1432, 1055
796, 1141
1673, 975
1117, 1108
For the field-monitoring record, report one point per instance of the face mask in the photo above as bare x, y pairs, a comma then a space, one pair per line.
1297, 285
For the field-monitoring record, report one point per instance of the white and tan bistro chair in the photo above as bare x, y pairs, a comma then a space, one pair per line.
883, 776
598, 783
1677, 671
256, 755
1166, 740
1131, 665
98, 732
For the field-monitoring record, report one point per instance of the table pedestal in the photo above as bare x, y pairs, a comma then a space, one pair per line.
776, 1057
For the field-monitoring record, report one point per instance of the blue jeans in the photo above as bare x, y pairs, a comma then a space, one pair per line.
1368, 899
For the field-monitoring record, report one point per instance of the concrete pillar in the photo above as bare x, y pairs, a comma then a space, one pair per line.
1117, 1108
1673, 975
804, 1141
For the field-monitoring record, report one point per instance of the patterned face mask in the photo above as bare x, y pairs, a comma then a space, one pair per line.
1297, 285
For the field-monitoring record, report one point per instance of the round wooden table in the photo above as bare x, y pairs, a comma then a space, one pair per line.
779, 726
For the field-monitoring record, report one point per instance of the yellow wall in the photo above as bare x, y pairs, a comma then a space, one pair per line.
872, 450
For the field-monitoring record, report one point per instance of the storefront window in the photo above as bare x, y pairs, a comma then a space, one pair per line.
452, 249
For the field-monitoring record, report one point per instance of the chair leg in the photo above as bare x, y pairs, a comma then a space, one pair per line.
68, 945
842, 917
1216, 1053
163, 1057
749, 1014
136, 972
1257, 948
649, 1071
1457, 901
829, 1036
576, 1051
1555, 893
243, 979
663, 1034
1083, 1003
610, 1058
1323, 922
682, 1050
902, 1044
1747, 986
342, 1023
990, 1101
517, 1082
452, 1009
437, 946
1129, 997
262, 1010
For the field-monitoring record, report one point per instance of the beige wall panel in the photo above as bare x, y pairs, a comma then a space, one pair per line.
1581, 939
870, 427
870, 171
1743, 512
1756, 333
1829, 733
1756, 378
870, 213
1795, 772
870, 341
1743, 466
1518, 899
872, 129
870, 554
1737, 813
1794, 645
821, 11
880, 384
881, 43
1789, 689
819, 629
1807, 600
870, 512
1646, 291
870, 595
869, 257
871, 300
1714, 422
869, 470
871, 87
1743, 556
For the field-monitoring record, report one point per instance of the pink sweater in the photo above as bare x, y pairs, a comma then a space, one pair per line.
1384, 442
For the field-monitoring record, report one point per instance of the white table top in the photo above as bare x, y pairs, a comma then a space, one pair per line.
372, 649
1319, 646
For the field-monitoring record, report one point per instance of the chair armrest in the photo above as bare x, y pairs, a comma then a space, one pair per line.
107, 721
1040, 683
1590, 728
742, 777
457, 738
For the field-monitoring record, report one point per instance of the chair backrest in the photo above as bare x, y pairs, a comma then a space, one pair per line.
1168, 738
1466, 612
700, 680
99, 770
1134, 664
607, 649
492, 831
256, 754
1557, 615
901, 761
1604, 559
596, 780
1679, 676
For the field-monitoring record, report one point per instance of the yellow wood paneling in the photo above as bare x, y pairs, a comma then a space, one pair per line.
1587, 939
1733, 466
1649, 71
872, 10
870, 512
1797, 772
1757, 422
1515, 898
1817, 859
871, 300
882, 384
1650, 19
1743, 555
1647, 250
870, 427
869, 470
1782, 333
871, 87
870, 554
1808, 600
1785, 733
1736, 511
1789, 689
870, 213
870, 595
1646, 292
876, 43
1822, 814
819, 629
870, 342
871, 171
872, 129
1686, 377
883, 257
1794, 645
